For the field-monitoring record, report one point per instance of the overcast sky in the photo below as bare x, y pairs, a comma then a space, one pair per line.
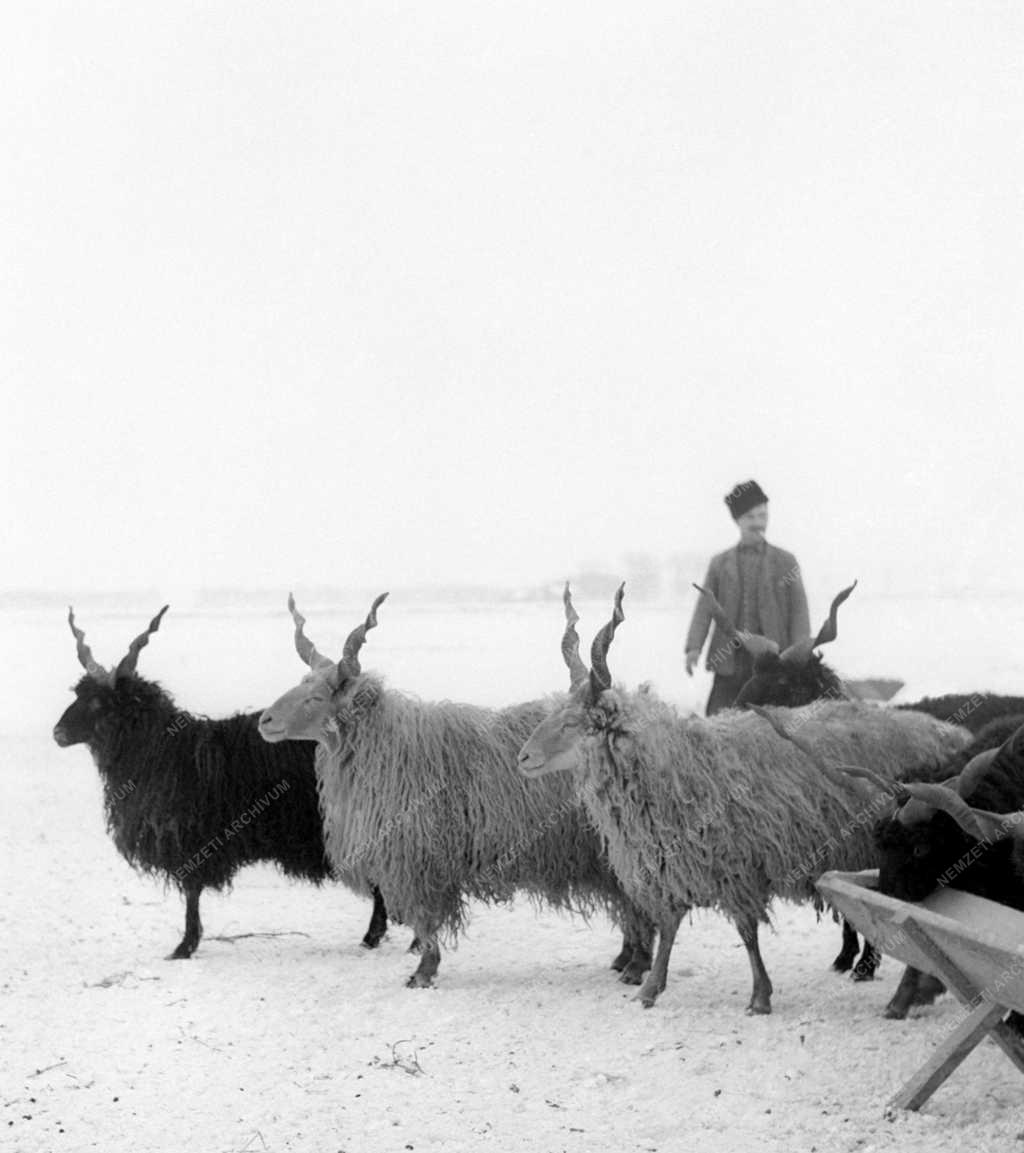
388, 293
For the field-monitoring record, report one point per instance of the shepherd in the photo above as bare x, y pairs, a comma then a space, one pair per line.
761, 590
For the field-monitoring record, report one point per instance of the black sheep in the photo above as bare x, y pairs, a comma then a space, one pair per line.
192, 799
935, 837
972, 710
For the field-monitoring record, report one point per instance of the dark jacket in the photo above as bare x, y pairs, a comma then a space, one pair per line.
781, 604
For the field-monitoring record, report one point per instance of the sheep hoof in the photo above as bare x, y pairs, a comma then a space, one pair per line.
647, 996
369, 942
419, 981
862, 975
632, 976
622, 960
759, 1008
842, 964
181, 953
895, 1013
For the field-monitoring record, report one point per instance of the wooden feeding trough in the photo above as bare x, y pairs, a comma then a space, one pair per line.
974, 946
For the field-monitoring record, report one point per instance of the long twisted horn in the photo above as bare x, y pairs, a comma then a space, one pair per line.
978, 766
754, 643
131, 658
348, 666
571, 642
800, 652
303, 645
85, 657
967, 779
972, 821
600, 677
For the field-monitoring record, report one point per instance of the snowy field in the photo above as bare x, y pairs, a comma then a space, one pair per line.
283, 1034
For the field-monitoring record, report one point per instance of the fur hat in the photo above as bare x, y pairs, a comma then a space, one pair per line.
746, 495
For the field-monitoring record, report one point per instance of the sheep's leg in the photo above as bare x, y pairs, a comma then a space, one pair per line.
657, 978
1016, 1022
903, 998
848, 953
430, 955
193, 926
639, 962
626, 954
378, 921
915, 988
928, 988
637, 940
761, 996
867, 963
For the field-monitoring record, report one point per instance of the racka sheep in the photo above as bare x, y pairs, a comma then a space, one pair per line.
798, 676
192, 799
719, 813
425, 799
794, 677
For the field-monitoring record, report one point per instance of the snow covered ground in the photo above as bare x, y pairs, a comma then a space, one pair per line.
283, 1034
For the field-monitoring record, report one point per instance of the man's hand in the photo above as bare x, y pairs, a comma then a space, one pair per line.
692, 657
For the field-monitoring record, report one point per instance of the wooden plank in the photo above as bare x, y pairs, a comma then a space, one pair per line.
948, 1056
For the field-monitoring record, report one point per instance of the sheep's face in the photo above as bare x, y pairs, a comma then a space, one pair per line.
304, 712
914, 856
83, 718
323, 706
554, 745
100, 708
777, 682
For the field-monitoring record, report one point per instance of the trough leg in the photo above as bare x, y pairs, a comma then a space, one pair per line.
378, 921
193, 926
984, 1019
974, 1028
657, 978
430, 955
761, 996
848, 953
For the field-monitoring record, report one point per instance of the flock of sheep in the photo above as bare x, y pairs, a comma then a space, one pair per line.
601, 798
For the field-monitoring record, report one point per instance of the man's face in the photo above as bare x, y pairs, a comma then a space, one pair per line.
753, 524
